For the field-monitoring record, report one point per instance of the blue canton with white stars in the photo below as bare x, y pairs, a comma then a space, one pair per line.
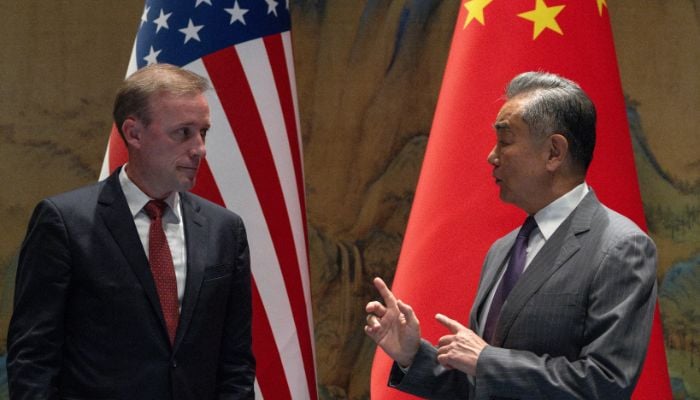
181, 31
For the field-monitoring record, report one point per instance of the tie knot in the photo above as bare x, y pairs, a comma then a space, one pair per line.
155, 208
528, 226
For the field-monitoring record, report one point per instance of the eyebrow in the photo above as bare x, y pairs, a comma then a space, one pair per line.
501, 126
188, 124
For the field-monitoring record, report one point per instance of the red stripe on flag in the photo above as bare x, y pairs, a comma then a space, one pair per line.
227, 75
269, 364
117, 150
275, 52
205, 185
273, 384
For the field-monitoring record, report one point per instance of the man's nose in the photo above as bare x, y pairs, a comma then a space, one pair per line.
199, 148
492, 157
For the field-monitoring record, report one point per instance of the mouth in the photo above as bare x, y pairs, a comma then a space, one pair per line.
189, 169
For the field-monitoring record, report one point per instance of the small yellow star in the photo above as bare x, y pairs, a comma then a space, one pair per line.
475, 8
601, 3
544, 17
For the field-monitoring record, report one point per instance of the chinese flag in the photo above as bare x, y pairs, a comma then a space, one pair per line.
457, 213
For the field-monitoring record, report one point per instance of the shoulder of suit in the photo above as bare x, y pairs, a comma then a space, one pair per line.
206, 206
621, 220
80, 196
614, 226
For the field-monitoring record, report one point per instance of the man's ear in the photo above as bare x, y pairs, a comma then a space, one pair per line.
133, 131
558, 151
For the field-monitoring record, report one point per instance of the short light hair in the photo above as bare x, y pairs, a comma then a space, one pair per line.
557, 105
134, 95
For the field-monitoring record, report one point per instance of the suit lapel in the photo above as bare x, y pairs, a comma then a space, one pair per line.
117, 217
491, 271
563, 244
196, 242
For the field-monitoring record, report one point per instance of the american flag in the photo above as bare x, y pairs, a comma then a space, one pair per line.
254, 161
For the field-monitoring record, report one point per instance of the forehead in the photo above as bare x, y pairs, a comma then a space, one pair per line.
169, 98
510, 116
178, 106
170, 110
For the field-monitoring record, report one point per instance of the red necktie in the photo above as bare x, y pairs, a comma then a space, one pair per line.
161, 261
516, 265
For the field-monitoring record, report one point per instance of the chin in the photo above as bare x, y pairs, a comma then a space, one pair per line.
183, 187
186, 183
510, 200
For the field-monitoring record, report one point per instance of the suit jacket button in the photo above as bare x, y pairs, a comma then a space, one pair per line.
174, 363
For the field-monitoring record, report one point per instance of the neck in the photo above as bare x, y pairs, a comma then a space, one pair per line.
141, 181
558, 187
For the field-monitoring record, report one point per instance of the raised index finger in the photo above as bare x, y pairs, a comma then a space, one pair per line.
387, 295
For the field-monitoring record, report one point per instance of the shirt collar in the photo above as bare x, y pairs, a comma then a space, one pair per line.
137, 199
549, 218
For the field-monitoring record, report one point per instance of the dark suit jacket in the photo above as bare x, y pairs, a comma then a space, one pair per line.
87, 321
576, 325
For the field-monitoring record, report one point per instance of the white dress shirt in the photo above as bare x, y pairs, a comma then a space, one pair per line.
172, 226
548, 220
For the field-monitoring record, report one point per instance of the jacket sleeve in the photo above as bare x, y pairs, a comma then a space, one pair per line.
428, 379
617, 327
36, 331
236, 374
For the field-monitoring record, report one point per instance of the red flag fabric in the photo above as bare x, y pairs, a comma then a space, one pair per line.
253, 165
457, 213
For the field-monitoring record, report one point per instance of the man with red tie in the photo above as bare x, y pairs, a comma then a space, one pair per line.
133, 288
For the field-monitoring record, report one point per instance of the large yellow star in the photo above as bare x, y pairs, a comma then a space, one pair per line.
601, 3
475, 10
544, 17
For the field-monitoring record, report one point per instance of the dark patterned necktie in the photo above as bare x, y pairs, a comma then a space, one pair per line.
516, 265
161, 261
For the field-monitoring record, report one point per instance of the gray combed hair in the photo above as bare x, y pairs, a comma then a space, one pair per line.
557, 105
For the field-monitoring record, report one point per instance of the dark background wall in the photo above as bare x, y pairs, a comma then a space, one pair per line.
366, 107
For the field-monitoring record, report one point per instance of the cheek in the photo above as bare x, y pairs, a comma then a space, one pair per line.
171, 154
536, 165
510, 162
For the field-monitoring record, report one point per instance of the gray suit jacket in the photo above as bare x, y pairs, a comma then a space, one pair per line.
576, 325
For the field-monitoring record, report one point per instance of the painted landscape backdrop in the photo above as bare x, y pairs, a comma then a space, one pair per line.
366, 101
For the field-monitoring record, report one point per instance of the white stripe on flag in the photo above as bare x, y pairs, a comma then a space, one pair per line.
258, 392
232, 178
254, 60
104, 171
289, 59
301, 252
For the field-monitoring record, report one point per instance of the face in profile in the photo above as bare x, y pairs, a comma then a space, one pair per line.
518, 159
